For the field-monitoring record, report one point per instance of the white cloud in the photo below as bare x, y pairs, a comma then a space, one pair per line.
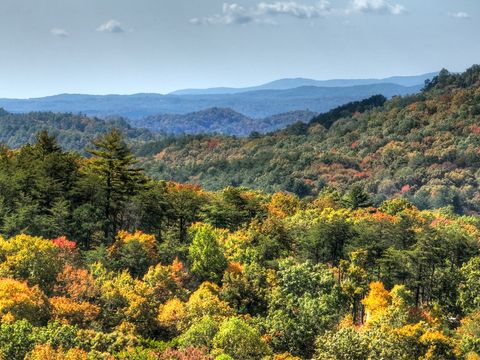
459, 15
294, 9
111, 26
59, 32
231, 14
234, 14
377, 7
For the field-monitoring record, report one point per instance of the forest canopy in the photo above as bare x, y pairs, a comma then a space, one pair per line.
99, 261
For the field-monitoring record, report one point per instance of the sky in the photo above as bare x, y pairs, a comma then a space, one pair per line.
50, 47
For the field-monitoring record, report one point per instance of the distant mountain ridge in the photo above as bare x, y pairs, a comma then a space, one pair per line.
291, 83
220, 121
255, 104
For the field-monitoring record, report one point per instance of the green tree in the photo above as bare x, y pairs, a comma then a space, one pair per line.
200, 334
207, 260
470, 287
356, 198
120, 179
304, 304
239, 340
344, 344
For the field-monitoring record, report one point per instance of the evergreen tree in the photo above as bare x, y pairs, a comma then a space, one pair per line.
357, 198
120, 179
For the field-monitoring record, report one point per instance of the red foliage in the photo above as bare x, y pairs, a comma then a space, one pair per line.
213, 143
64, 244
405, 189
361, 174
475, 129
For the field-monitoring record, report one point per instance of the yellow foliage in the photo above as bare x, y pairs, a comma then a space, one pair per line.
30, 258
175, 314
148, 242
376, 302
410, 330
285, 356
438, 345
68, 311
172, 314
166, 282
46, 352
472, 356
19, 301
325, 201
235, 243
205, 302
283, 204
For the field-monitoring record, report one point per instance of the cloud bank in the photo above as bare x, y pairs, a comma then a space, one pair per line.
263, 12
266, 12
377, 7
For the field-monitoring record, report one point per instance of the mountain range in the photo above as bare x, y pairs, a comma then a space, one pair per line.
255, 104
291, 83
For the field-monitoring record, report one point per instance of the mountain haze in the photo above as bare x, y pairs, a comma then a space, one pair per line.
291, 83
255, 104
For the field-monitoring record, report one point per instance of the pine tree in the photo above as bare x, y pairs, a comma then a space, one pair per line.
120, 179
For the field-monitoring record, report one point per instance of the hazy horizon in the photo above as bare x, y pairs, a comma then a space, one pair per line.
220, 87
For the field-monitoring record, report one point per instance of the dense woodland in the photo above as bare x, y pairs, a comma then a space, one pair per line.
74, 132
423, 147
219, 121
100, 261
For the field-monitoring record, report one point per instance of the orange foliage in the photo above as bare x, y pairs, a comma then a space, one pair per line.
78, 284
234, 267
19, 301
67, 311
166, 281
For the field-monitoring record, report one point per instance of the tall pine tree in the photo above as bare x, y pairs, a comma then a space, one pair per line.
120, 179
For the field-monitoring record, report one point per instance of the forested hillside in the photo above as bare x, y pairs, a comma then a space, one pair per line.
220, 121
98, 261
423, 147
74, 132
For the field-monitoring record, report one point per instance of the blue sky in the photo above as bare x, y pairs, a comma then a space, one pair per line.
128, 46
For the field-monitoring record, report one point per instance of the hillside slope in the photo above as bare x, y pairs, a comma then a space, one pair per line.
74, 132
425, 147
219, 120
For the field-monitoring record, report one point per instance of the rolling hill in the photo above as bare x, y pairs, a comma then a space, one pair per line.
255, 104
220, 121
425, 147
73, 132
